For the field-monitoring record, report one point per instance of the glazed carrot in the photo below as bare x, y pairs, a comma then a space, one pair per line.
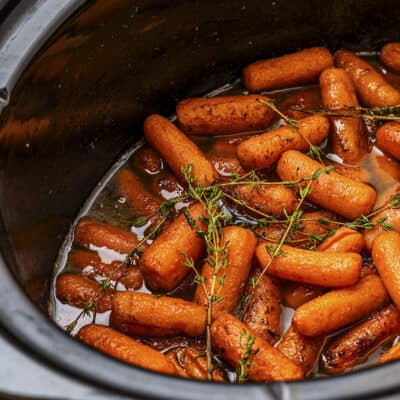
226, 165
355, 345
223, 115
309, 226
353, 172
330, 191
390, 56
167, 186
147, 160
387, 166
386, 256
392, 354
263, 151
295, 294
226, 145
372, 88
77, 291
302, 350
338, 308
190, 362
388, 139
119, 346
263, 314
133, 190
142, 314
392, 218
223, 158
305, 98
91, 263
292, 69
162, 263
240, 244
343, 240
320, 268
338, 92
177, 150
230, 338
270, 199
89, 232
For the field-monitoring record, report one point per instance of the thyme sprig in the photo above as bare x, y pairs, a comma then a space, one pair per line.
387, 113
217, 251
245, 361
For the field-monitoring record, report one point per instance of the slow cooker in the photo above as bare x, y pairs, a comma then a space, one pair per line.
77, 79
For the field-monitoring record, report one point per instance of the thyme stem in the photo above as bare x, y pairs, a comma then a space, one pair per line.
374, 113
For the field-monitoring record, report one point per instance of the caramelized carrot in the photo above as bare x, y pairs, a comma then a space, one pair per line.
78, 291
295, 294
130, 277
292, 69
263, 313
226, 165
230, 338
223, 115
338, 308
147, 160
162, 263
167, 186
309, 226
391, 217
356, 344
133, 190
343, 240
270, 199
263, 151
89, 232
229, 280
302, 350
124, 348
330, 191
372, 88
353, 172
338, 92
386, 256
305, 98
190, 362
390, 56
305, 350
387, 166
388, 139
177, 150
326, 269
142, 314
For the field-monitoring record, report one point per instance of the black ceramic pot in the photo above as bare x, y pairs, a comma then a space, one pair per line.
72, 106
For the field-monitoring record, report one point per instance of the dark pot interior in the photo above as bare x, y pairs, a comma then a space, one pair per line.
81, 103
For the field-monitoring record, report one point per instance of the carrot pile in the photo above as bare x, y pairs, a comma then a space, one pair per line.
259, 219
